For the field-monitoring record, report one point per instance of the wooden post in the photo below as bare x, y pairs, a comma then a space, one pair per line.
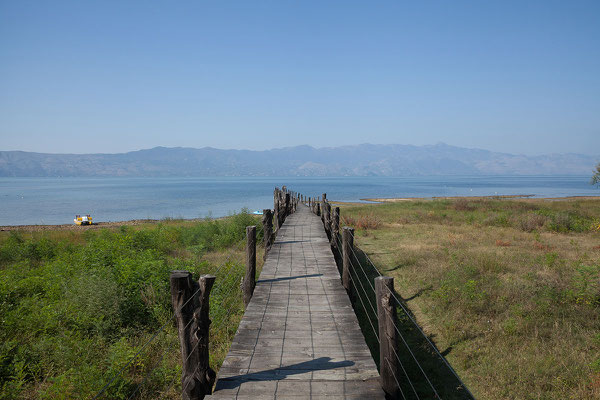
318, 209
388, 336
250, 278
327, 220
335, 226
323, 202
347, 244
267, 221
191, 306
276, 207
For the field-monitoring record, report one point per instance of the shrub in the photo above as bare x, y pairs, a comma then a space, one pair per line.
463, 204
569, 222
531, 222
363, 221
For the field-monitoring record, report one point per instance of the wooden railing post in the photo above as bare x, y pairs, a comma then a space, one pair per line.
276, 207
323, 202
327, 220
388, 337
347, 245
267, 221
191, 306
335, 226
318, 209
250, 278
288, 206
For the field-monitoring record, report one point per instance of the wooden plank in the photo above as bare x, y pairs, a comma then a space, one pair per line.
299, 336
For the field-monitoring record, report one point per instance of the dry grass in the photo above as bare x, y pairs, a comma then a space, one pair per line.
515, 301
362, 221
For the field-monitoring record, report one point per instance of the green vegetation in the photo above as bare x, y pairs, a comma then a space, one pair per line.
76, 306
596, 176
508, 289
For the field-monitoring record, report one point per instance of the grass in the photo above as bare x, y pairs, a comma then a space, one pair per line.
509, 290
76, 306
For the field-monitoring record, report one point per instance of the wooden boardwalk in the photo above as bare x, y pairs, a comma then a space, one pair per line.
299, 337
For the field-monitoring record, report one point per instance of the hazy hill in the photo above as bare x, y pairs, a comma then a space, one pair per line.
360, 160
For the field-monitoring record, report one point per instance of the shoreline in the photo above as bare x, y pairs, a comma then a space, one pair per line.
521, 197
377, 200
95, 225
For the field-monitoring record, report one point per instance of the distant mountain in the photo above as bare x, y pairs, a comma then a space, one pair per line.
360, 160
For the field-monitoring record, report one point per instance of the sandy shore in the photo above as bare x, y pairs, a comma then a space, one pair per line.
96, 225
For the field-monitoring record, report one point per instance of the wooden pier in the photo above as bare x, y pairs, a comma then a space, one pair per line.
299, 337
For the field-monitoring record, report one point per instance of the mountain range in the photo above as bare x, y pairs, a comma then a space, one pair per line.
358, 160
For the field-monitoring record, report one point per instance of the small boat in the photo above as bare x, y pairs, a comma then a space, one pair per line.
83, 220
257, 213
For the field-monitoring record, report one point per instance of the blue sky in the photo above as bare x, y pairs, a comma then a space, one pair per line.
114, 76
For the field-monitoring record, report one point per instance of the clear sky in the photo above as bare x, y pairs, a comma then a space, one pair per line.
114, 76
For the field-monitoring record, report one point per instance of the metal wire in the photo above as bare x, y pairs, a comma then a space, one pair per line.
409, 381
367, 314
405, 373
366, 294
362, 269
147, 376
431, 344
396, 379
420, 330
415, 358
367, 256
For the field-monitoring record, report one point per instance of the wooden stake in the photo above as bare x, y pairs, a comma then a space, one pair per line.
335, 227
347, 245
388, 337
250, 278
191, 305
267, 221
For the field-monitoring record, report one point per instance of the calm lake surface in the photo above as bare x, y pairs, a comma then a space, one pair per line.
25, 201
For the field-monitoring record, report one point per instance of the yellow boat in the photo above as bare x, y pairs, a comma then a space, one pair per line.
83, 220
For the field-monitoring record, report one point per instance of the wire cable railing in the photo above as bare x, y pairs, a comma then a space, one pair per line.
363, 293
408, 314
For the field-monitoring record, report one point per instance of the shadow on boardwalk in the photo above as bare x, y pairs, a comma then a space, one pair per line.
288, 278
423, 368
277, 374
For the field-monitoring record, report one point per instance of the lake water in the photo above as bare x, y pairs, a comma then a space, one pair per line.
57, 200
